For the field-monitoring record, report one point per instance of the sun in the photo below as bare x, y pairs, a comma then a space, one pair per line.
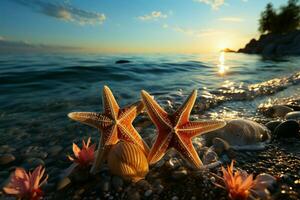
222, 44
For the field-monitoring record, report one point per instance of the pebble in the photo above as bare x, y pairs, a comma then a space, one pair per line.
148, 193
63, 183
35, 151
6, 159
34, 162
175, 198
279, 110
173, 163
220, 145
289, 128
179, 174
117, 183
54, 150
293, 115
272, 125
210, 156
105, 186
6, 149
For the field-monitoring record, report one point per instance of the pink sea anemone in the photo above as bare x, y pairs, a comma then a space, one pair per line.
241, 186
85, 156
25, 185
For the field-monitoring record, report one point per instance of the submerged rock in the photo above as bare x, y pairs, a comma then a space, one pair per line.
122, 61
241, 134
289, 128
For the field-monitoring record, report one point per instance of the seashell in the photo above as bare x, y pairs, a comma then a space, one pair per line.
127, 160
241, 134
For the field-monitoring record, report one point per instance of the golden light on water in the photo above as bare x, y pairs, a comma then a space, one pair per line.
222, 68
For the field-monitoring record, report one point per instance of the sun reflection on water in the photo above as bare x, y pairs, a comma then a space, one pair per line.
222, 68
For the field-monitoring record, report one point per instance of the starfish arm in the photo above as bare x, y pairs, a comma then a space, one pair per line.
129, 134
110, 105
158, 116
185, 147
192, 129
182, 114
110, 136
159, 148
92, 119
127, 115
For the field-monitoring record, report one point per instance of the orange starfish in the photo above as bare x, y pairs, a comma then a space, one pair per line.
115, 125
176, 131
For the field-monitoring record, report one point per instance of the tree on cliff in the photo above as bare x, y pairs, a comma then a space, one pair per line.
284, 20
267, 19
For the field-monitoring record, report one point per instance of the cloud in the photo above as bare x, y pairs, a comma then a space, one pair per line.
7, 46
193, 32
64, 11
215, 4
155, 15
231, 19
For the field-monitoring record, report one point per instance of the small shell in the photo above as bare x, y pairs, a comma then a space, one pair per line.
127, 160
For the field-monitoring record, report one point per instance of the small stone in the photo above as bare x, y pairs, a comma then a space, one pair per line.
272, 125
289, 128
279, 110
293, 115
134, 195
175, 198
105, 186
6, 149
35, 151
173, 163
63, 183
179, 174
220, 145
117, 183
210, 156
34, 162
148, 193
54, 150
6, 159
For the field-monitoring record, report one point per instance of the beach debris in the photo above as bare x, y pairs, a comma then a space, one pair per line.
25, 185
289, 128
241, 134
176, 131
241, 186
115, 124
128, 160
85, 156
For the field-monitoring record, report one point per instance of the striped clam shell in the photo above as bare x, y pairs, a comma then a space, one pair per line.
127, 160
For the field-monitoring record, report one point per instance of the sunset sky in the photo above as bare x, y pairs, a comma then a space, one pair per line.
129, 26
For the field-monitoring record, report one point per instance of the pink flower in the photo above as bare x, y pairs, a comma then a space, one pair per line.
241, 186
85, 156
26, 185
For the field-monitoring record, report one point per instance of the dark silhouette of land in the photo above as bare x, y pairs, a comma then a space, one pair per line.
279, 28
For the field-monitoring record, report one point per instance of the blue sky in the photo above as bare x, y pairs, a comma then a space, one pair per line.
183, 26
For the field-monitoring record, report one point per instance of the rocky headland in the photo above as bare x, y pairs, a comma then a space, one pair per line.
274, 44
